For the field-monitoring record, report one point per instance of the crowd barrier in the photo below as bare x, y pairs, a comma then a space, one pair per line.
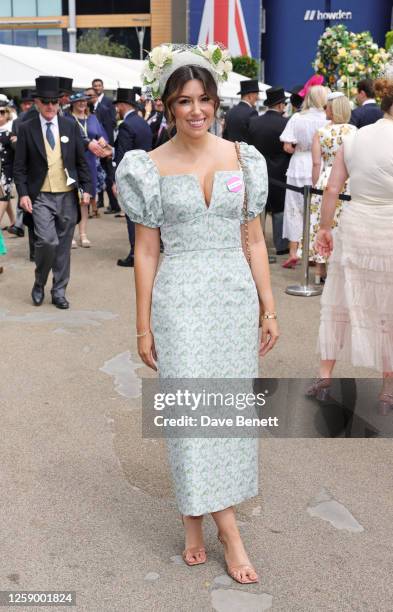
305, 288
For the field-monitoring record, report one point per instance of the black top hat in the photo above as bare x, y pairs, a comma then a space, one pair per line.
295, 99
125, 95
137, 90
65, 85
47, 87
250, 86
27, 95
275, 95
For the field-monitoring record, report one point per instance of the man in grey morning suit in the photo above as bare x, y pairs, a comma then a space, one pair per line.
49, 168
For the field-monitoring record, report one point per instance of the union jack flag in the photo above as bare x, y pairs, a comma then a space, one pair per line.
223, 22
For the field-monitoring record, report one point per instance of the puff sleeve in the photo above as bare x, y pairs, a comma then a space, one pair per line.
289, 133
255, 179
138, 187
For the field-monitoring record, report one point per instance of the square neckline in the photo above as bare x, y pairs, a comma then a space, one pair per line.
206, 205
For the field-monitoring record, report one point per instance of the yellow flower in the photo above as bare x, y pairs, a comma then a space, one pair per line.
342, 52
376, 58
344, 78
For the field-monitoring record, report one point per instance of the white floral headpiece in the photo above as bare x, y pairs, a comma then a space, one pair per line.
163, 60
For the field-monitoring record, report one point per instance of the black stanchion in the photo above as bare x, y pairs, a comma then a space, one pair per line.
306, 289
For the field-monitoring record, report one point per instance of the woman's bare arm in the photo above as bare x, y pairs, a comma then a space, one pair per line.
316, 158
261, 274
289, 147
146, 258
338, 176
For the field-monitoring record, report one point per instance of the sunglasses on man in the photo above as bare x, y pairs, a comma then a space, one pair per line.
52, 101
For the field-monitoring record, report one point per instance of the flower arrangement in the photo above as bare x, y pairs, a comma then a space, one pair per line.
160, 58
344, 58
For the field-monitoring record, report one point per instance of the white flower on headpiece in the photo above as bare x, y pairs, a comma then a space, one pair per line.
220, 60
159, 56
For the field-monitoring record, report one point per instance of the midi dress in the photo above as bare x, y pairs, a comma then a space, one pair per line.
205, 308
357, 301
300, 131
330, 140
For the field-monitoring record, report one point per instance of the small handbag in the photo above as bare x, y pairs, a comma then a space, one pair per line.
246, 243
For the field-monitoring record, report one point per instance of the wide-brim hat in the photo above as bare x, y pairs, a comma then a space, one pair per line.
4, 101
65, 85
77, 97
47, 87
27, 95
127, 96
275, 95
249, 86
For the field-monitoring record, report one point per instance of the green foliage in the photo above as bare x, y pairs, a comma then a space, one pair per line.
94, 41
248, 66
389, 40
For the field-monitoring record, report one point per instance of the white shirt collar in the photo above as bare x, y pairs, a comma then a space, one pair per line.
369, 101
247, 102
54, 122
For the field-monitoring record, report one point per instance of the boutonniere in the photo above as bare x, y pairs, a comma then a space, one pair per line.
64, 139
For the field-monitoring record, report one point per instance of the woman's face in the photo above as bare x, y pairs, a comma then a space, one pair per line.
3, 116
80, 106
193, 110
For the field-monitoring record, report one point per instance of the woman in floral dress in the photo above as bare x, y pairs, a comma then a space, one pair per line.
326, 143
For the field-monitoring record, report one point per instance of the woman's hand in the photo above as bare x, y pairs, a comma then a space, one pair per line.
269, 336
147, 351
324, 242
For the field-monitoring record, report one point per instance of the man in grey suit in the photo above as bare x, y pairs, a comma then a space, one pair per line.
49, 168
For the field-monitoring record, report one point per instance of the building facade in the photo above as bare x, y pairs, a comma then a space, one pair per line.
282, 34
45, 23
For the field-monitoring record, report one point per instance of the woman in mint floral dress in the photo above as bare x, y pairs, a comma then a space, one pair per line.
197, 315
326, 143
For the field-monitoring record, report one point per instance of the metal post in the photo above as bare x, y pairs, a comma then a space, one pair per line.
72, 26
305, 290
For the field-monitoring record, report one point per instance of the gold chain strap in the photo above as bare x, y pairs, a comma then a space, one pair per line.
245, 205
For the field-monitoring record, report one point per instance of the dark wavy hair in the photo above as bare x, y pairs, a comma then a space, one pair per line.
175, 85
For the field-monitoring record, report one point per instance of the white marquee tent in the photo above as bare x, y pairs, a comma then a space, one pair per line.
21, 65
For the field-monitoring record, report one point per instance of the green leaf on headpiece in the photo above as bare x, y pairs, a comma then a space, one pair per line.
217, 55
151, 65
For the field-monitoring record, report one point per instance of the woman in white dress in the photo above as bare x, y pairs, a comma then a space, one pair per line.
297, 138
357, 302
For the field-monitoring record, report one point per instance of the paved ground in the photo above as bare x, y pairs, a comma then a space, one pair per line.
87, 504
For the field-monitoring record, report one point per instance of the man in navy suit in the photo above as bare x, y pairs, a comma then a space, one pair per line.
106, 115
134, 133
368, 110
238, 118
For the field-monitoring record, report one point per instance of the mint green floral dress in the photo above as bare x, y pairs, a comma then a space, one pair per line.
205, 309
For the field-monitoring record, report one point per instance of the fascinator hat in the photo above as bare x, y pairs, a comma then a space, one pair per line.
162, 61
316, 79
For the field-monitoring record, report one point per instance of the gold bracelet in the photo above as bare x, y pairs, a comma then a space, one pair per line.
143, 334
269, 315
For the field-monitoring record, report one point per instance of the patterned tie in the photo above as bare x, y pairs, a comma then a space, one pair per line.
49, 135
